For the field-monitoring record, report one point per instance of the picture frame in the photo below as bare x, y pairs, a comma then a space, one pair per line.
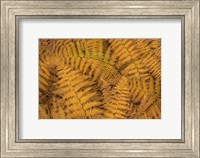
13, 11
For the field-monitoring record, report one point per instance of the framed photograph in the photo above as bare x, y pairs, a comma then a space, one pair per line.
100, 78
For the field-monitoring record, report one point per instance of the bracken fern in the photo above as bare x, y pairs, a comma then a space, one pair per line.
100, 78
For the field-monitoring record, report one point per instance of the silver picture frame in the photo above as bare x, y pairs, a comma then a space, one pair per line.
14, 10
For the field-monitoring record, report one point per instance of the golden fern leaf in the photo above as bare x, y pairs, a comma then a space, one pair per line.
144, 93
78, 93
118, 103
95, 48
141, 87
137, 90
126, 57
59, 49
46, 47
88, 57
58, 108
82, 78
44, 112
92, 61
44, 82
153, 64
154, 111
47, 78
145, 104
133, 59
151, 88
158, 87
95, 113
156, 47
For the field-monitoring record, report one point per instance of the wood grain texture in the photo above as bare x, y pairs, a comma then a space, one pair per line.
187, 147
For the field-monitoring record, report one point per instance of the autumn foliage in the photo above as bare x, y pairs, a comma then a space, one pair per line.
99, 78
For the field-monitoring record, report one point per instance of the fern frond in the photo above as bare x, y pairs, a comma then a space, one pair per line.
46, 47
136, 58
118, 103
98, 78
78, 93
153, 64
94, 68
153, 112
58, 108
89, 57
44, 112
127, 58
144, 93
